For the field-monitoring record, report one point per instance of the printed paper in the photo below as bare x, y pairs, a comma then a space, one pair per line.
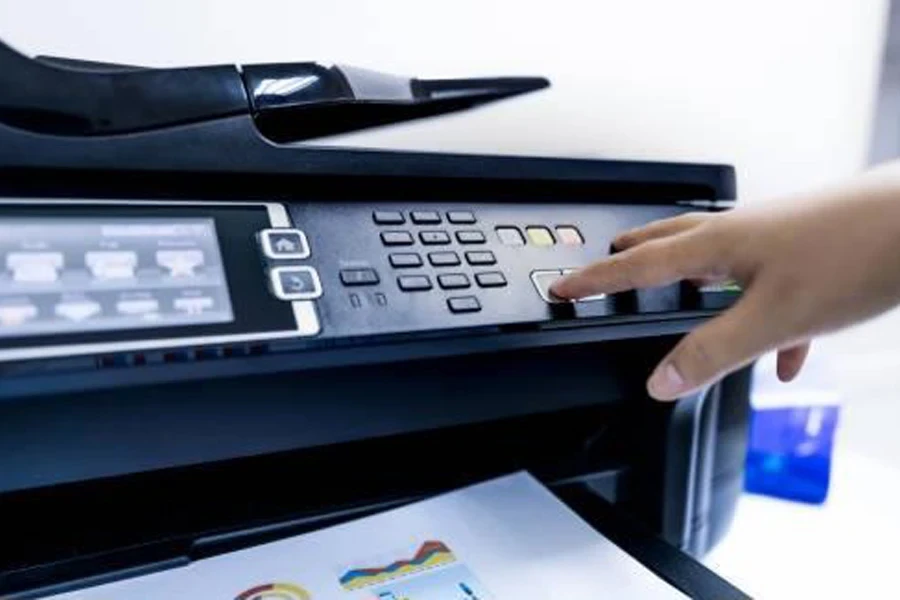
505, 539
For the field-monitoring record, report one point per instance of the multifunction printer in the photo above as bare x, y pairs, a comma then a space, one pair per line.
213, 334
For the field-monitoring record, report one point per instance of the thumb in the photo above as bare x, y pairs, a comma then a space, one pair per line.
714, 349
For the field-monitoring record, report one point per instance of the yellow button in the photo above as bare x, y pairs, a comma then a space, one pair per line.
568, 235
540, 236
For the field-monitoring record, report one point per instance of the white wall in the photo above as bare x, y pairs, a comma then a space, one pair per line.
783, 90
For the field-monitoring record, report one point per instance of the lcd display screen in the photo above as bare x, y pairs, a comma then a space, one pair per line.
72, 275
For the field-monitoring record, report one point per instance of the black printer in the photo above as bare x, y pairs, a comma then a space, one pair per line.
213, 335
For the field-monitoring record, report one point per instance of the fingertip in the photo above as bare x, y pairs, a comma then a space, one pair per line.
666, 383
565, 287
790, 362
787, 372
786, 377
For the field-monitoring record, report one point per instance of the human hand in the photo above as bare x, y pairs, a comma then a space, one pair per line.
808, 266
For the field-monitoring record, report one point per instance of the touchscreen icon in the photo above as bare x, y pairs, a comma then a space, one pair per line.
180, 263
111, 264
35, 267
78, 310
146, 308
16, 314
194, 305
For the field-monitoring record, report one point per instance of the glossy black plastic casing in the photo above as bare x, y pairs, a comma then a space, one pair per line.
289, 101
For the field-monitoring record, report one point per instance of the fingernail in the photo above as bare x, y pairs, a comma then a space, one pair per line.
666, 383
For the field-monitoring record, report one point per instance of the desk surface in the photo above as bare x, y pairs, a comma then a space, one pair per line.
845, 548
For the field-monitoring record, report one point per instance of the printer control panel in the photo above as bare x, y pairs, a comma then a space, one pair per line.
410, 267
104, 277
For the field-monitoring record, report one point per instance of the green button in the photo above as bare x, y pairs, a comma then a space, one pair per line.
725, 286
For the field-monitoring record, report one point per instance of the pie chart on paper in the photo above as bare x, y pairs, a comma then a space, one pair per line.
275, 591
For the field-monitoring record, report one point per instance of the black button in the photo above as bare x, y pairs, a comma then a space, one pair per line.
716, 296
464, 304
396, 238
388, 217
284, 243
414, 283
359, 277
491, 279
434, 238
471, 236
453, 281
481, 258
443, 259
405, 260
425, 217
460, 217
296, 283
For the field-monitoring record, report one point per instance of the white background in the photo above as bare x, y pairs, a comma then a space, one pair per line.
784, 90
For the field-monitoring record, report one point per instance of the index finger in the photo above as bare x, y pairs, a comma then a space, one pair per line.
654, 263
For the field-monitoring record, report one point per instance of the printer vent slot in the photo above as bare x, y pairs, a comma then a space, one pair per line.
181, 355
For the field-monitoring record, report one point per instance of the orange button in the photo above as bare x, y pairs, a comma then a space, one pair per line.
570, 236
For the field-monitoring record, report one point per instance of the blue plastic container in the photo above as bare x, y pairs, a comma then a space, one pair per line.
792, 436
790, 450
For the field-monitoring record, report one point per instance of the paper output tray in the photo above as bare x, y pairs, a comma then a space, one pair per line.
674, 566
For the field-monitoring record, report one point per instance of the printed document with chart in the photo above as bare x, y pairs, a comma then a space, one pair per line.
506, 539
